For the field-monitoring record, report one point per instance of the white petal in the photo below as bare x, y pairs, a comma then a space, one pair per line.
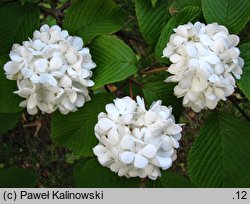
26, 72
120, 104
71, 58
104, 158
140, 102
41, 65
178, 40
173, 129
72, 96
175, 58
80, 101
105, 124
89, 65
38, 44
34, 78
148, 151
140, 161
126, 118
90, 83
199, 83
127, 157
32, 111
15, 56
167, 144
66, 82
205, 39
137, 133
150, 117
11, 67
77, 43
212, 59
99, 149
112, 111
128, 142
164, 163
31, 103
55, 63
113, 136
181, 30
175, 142
233, 40
191, 50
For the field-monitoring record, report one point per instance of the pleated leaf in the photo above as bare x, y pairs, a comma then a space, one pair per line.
153, 2
89, 18
244, 82
220, 155
90, 174
169, 180
8, 121
76, 130
234, 14
183, 3
115, 60
15, 177
17, 24
188, 14
152, 20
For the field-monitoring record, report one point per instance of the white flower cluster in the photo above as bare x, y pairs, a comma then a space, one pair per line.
134, 141
205, 59
52, 70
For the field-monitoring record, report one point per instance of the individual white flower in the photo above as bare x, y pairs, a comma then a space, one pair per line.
52, 70
205, 61
134, 141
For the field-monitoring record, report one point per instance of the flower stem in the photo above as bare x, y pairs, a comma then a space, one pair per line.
154, 70
236, 105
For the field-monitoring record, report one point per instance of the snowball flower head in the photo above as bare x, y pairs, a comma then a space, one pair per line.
134, 141
52, 70
205, 64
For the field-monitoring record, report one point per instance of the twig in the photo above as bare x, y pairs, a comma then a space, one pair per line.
107, 88
134, 81
129, 36
154, 70
56, 13
236, 105
66, 5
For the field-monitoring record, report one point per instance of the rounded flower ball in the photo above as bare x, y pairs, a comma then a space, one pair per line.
52, 70
205, 64
134, 141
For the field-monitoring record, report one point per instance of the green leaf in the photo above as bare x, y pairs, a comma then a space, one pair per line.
157, 89
8, 121
153, 2
170, 180
220, 154
17, 24
244, 82
89, 18
9, 102
29, 1
183, 3
151, 20
76, 130
188, 14
115, 60
15, 177
234, 14
93, 175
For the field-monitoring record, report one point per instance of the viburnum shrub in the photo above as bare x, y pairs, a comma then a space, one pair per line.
122, 83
